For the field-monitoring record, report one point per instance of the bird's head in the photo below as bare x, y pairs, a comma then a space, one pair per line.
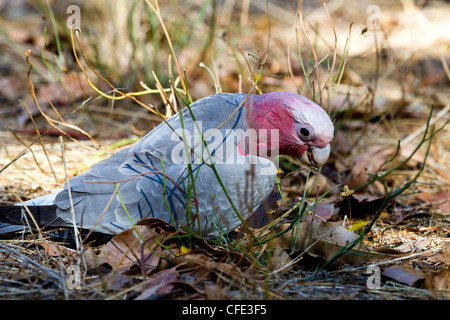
304, 129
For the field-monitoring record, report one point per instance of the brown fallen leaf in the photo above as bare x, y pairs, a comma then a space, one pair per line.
440, 281
192, 259
197, 260
415, 245
279, 258
418, 157
139, 245
440, 199
57, 250
367, 162
399, 213
159, 283
325, 239
130, 247
441, 256
404, 274
387, 252
197, 268
220, 253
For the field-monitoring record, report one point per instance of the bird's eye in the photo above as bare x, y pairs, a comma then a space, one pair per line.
304, 132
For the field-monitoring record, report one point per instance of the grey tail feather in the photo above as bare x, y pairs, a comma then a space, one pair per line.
13, 218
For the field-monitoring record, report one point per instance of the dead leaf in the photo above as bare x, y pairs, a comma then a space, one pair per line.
408, 148
159, 283
324, 239
194, 259
440, 199
414, 245
139, 245
387, 251
399, 214
441, 281
130, 247
441, 256
56, 250
367, 162
220, 253
404, 274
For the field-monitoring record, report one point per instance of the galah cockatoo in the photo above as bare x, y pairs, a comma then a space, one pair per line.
205, 170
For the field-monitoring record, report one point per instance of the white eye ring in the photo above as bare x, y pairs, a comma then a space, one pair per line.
305, 132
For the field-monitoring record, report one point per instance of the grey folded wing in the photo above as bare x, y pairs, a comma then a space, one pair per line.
148, 180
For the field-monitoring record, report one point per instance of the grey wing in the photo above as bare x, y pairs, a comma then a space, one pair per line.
126, 187
247, 185
145, 189
209, 112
